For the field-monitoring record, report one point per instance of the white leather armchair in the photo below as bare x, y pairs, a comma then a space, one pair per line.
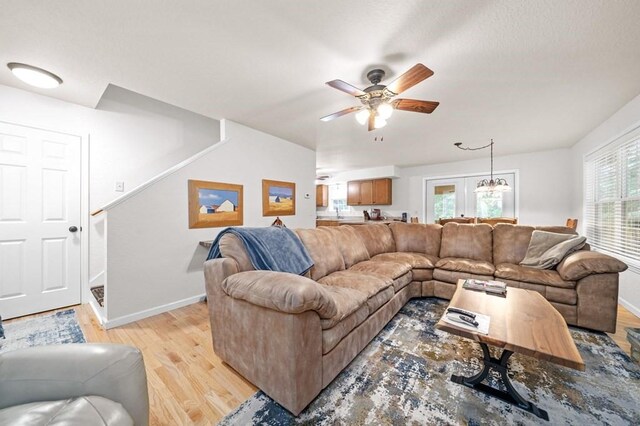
74, 384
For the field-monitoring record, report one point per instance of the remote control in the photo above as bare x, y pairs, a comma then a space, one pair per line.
462, 312
463, 319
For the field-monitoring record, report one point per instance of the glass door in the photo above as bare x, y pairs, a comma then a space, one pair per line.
455, 197
445, 198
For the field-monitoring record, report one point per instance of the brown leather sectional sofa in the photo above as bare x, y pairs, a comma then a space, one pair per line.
291, 335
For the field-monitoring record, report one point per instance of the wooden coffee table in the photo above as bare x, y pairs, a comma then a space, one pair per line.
523, 322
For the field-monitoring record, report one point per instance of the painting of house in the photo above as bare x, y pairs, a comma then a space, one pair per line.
214, 204
278, 198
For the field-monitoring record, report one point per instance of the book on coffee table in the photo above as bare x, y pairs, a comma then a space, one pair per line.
495, 287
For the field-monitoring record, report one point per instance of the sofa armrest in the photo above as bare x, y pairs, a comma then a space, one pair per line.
279, 291
584, 263
49, 373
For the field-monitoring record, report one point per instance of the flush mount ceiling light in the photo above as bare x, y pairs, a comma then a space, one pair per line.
35, 76
377, 100
491, 185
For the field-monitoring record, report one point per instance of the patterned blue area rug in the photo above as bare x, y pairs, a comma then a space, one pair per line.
403, 377
54, 329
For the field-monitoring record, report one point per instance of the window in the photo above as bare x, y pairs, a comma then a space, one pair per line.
612, 198
338, 197
444, 201
489, 204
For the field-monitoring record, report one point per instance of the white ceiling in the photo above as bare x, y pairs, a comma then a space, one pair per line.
533, 75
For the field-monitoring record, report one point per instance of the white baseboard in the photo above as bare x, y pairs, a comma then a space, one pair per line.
117, 322
97, 280
98, 311
631, 308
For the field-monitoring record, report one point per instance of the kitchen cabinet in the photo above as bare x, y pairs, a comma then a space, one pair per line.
374, 192
322, 195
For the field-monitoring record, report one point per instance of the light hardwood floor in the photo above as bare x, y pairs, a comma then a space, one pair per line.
188, 383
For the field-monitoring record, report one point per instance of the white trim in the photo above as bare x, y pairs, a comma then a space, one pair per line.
628, 131
97, 311
117, 322
631, 308
516, 186
161, 176
85, 218
99, 279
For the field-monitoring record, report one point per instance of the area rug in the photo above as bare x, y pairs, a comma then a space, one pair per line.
53, 329
402, 377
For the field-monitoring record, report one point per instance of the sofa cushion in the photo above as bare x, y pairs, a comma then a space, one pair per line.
452, 277
567, 296
422, 274
280, 291
332, 336
346, 300
479, 267
583, 263
81, 411
380, 299
377, 238
467, 241
531, 275
391, 270
416, 260
510, 242
324, 251
351, 246
232, 247
416, 237
403, 281
369, 284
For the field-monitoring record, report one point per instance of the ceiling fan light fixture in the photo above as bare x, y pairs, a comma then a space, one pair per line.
362, 116
34, 76
379, 122
385, 110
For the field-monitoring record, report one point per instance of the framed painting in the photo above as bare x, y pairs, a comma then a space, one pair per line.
278, 198
214, 204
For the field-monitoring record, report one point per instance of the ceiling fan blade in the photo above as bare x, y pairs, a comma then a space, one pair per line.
341, 113
372, 121
426, 107
345, 87
415, 75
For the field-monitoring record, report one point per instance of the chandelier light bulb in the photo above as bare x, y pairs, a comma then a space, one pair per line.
385, 110
35, 76
362, 116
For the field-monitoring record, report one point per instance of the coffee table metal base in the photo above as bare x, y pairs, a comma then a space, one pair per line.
501, 366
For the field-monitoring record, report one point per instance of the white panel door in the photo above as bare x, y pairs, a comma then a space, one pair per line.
39, 220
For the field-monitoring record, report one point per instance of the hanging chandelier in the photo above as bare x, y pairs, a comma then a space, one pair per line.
491, 185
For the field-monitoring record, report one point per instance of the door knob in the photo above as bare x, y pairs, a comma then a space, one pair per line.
73, 229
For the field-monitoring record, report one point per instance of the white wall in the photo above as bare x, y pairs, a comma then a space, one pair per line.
627, 118
543, 191
154, 259
130, 137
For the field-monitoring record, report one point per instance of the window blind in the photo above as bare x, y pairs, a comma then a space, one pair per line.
612, 198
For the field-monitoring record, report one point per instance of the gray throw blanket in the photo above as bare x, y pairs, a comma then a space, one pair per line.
547, 249
272, 248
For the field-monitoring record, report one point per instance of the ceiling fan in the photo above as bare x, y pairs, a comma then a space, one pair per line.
377, 100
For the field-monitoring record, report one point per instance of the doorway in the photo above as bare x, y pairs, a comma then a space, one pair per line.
40, 213
455, 197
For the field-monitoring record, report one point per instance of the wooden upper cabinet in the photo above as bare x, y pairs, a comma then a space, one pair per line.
366, 192
382, 192
322, 195
353, 193
369, 192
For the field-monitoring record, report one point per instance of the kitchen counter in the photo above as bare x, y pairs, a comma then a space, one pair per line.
356, 221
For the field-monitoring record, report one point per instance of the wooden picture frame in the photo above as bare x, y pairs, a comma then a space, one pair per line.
214, 204
278, 198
